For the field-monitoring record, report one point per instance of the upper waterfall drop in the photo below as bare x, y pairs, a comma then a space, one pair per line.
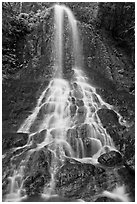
59, 40
58, 19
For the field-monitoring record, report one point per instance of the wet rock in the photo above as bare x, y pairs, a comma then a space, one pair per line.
104, 199
81, 114
18, 157
39, 161
75, 142
72, 133
11, 159
73, 100
45, 96
74, 145
111, 118
49, 108
79, 102
96, 99
40, 136
80, 180
92, 146
111, 159
106, 149
52, 121
77, 92
71, 178
85, 130
92, 108
37, 123
41, 113
11, 140
34, 184
56, 132
73, 109
37, 171
116, 134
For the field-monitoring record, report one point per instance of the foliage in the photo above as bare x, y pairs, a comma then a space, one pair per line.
119, 20
22, 28
14, 30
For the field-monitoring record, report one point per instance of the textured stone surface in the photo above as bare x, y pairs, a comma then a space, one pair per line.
92, 146
81, 115
11, 140
72, 178
77, 92
73, 109
110, 159
40, 137
84, 131
79, 102
104, 199
85, 181
37, 172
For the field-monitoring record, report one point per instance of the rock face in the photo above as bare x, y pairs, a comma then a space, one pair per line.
73, 177
13, 140
110, 159
85, 181
35, 165
37, 172
40, 137
92, 146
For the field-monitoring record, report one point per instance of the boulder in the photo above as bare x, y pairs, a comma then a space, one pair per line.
72, 177
79, 102
37, 172
92, 146
111, 159
77, 91
73, 109
84, 131
81, 114
40, 136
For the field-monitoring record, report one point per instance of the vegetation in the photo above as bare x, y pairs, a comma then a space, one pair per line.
118, 19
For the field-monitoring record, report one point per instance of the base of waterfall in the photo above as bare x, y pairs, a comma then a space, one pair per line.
63, 132
71, 175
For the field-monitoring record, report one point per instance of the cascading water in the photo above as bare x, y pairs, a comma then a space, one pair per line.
63, 111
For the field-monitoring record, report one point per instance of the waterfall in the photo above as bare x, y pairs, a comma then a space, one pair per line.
64, 123
60, 12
